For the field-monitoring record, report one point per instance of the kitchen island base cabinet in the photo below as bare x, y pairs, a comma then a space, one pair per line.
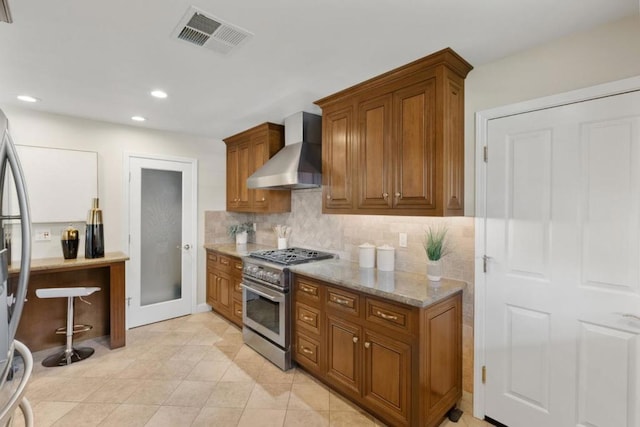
224, 294
401, 363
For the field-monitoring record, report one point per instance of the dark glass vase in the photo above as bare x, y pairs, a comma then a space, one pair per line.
70, 240
94, 238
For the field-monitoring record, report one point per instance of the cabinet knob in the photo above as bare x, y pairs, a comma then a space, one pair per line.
385, 195
263, 199
398, 194
367, 344
355, 339
328, 196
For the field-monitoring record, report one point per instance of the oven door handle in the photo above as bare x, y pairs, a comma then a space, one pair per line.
265, 294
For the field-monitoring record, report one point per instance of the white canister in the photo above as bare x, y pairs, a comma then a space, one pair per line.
282, 243
367, 255
386, 258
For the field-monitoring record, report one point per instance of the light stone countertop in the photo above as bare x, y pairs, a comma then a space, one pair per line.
408, 288
232, 249
44, 264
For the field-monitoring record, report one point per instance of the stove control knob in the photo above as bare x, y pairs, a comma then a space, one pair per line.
273, 277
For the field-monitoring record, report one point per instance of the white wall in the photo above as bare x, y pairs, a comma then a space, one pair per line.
603, 54
111, 141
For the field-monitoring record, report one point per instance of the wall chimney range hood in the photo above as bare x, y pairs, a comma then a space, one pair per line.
298, 164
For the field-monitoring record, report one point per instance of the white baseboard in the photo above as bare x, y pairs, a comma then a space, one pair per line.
202, 308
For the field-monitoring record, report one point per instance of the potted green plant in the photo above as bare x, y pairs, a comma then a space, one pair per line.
241, 232
435, 246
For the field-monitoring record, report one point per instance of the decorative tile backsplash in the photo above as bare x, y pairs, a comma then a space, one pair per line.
342, 234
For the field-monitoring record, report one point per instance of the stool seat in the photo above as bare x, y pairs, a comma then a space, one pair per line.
70, 354
75, 291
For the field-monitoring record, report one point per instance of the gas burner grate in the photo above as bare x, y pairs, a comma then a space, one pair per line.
291, 256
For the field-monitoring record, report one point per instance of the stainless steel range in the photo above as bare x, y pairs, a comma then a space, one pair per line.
266, 300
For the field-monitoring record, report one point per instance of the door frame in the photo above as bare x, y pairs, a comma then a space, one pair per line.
127, 156
482, 119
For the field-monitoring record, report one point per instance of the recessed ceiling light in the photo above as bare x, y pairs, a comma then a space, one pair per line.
159, 94
27, 98
138, 119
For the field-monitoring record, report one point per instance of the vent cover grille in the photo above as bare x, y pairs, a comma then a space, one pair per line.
206, 30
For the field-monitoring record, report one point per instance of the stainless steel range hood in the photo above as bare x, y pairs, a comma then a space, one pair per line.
299, 164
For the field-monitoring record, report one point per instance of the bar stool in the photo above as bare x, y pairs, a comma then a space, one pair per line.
70, 354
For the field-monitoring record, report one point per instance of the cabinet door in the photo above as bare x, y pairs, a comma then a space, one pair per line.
374, 171
232, 178
414, 155
212, 288
260, 155
337, 128
243, 173
387, 376
344, 364
225, 290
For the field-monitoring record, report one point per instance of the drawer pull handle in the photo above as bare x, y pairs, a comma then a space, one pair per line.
224, 261
306, 350
307, 318
340, 301
239, 312
367, 344
238, 266
355, 340
386, 316
307, 289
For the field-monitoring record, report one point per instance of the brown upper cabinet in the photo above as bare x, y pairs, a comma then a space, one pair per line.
246, 153
394, 144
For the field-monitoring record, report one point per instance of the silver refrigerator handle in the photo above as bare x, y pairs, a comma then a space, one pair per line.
9, 153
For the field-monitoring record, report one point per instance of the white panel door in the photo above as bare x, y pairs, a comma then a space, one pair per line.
563, 281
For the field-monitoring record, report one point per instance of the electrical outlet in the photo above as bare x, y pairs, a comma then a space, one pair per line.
403, 240
43, 235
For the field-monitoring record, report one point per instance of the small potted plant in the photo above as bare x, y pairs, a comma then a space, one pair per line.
240, 232
435, 246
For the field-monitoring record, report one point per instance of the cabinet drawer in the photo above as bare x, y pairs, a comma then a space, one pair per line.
212, 259
224, 263
236, 312
237, 267
237, 288
389, 315
307, 290
307, 318
307, 351
343, 300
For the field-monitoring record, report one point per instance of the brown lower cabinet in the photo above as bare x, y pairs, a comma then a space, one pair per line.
224, 294
401, 363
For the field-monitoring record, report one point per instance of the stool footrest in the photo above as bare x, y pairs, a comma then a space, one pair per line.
60, 359
76, 329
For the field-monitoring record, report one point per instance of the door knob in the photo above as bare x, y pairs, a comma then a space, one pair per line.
187, 246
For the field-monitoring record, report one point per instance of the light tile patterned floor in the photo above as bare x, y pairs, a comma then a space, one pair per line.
190, 371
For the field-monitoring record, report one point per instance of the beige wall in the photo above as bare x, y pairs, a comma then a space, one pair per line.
112, 141
604, 54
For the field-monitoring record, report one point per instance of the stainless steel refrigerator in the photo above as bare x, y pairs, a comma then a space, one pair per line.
16, 362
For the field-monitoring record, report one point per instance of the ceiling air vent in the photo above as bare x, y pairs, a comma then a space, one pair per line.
203, 29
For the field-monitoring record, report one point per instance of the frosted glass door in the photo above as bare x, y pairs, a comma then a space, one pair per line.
161, 233
161, 275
